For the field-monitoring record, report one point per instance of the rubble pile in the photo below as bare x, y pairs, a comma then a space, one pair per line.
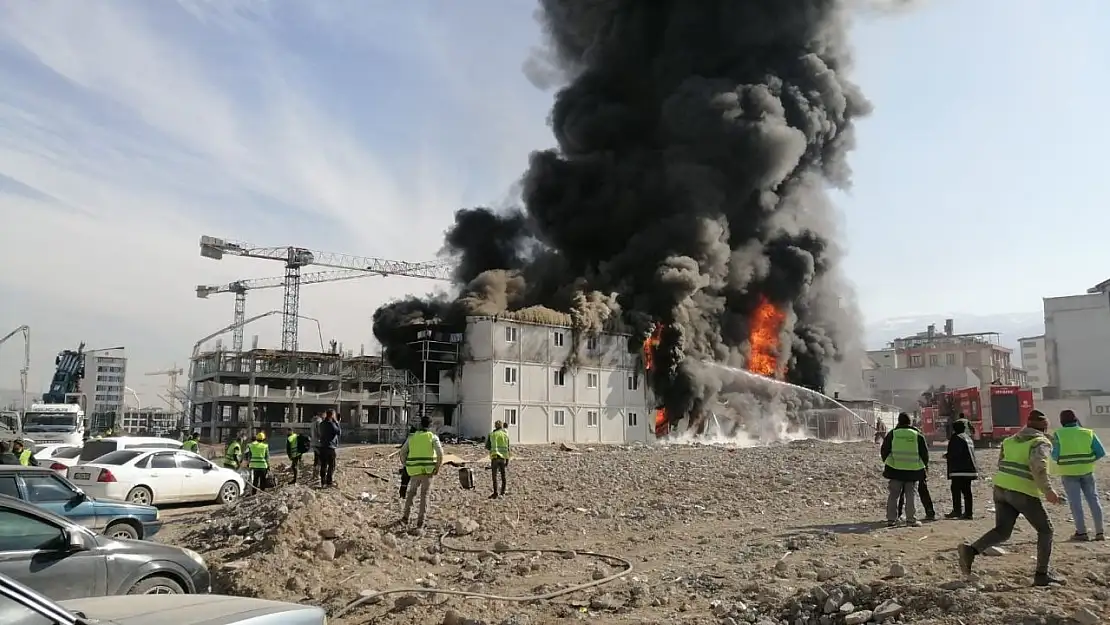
790, 534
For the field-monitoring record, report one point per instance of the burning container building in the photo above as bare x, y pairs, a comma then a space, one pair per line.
535, 377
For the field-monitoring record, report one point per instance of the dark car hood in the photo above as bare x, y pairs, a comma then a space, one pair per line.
182, 609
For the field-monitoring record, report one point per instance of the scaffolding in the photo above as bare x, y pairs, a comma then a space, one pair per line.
439, 353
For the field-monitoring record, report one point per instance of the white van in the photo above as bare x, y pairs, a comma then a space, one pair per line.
95, 448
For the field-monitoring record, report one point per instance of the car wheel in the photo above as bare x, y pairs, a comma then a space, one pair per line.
156, 585
122, 531
229, 492
140, 495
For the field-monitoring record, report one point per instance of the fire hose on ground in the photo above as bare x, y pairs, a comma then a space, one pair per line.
371, 596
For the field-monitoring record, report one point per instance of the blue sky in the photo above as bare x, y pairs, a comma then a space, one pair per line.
128, 129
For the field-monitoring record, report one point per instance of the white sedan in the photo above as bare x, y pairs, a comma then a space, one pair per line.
57, 457
156, 476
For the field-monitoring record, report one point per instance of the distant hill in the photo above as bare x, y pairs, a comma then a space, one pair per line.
1011, 326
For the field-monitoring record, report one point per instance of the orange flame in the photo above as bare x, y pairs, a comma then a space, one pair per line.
766, 323
661, 425
651, 344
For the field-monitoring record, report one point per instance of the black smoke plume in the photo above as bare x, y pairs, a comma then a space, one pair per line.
696, 143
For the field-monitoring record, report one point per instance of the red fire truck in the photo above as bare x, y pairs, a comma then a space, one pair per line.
1003, 414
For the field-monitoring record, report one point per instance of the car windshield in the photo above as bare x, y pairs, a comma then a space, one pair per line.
122, 456
96, 449
50, 422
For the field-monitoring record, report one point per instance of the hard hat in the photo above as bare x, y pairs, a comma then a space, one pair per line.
260, 436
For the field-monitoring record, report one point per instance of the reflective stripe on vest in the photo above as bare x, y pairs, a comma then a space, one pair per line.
1013, 469
191, 445
292, 442
232, 455
422, 454
499, 444
1077, 454
260, 455
904, 453
25, 457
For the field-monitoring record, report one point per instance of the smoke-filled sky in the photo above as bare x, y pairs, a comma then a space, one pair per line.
129, 129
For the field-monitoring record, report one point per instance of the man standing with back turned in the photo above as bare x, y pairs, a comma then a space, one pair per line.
906, 456
1021, 482
497, 443
1076, 449
422, 454
329, 448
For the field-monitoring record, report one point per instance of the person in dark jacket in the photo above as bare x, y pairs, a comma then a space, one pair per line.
903, 468
963, 469
6, 455
329, 447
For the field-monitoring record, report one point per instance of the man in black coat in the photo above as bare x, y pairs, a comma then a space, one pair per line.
962, 470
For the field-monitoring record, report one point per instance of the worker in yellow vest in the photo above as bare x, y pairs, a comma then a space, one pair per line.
233, 455
258, 461
26, 456
294, 443
905, 454
422, 455
192, 443
497, 443
1075, 450
1019, 487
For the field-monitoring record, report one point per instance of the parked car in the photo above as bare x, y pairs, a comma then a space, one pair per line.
46, 489
97, 447
64, 560
20, 605
151, 477
57, 457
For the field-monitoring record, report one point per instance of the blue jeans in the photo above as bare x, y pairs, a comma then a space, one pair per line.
1079, 488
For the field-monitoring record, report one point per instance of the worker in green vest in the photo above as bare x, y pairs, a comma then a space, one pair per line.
1075, 450
26, 456
905, 454
233, 455
192, 443
1019, 487
258, 461
293, 448
422, 455
497, 443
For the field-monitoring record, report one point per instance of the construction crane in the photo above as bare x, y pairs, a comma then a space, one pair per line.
240, 288
23, 372
172, 373
296, 258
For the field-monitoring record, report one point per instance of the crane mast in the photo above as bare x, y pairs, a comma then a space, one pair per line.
296, 258
172, 374
25, 370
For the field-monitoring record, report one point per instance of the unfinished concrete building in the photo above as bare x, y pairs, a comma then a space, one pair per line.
271, 390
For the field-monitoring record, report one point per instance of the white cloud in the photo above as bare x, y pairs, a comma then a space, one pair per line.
136, 133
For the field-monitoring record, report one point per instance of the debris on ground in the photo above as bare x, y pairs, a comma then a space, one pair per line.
788, 534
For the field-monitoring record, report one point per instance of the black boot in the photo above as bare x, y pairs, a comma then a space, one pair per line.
966, 555
1048, 578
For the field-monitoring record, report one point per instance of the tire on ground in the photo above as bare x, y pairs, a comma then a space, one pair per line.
125, 529
148, 585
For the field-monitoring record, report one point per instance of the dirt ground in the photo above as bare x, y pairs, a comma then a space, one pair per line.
789, 534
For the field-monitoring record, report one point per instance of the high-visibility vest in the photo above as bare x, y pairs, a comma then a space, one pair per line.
904, 454
191, 445
260, 455
499, 444
1014, 472
25, 457
233, 455
292, 447
1077, 454
422, 454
